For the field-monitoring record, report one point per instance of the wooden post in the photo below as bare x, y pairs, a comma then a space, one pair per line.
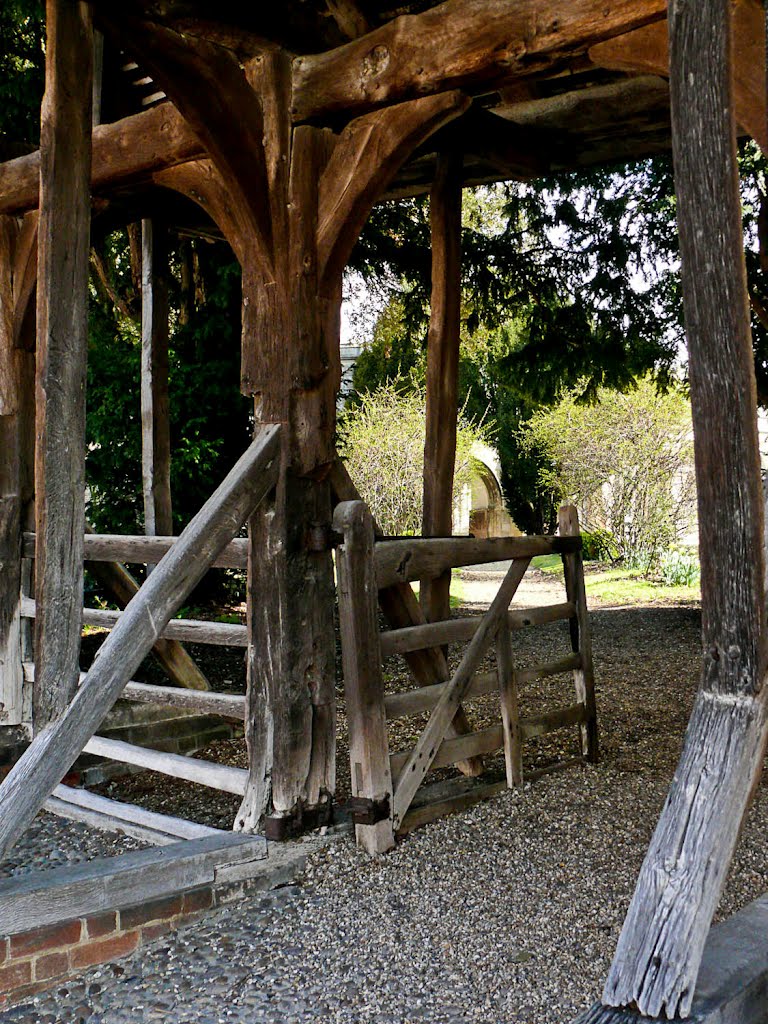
62, 324
363, 682
581, 636
155, 422
442, 371
291, 364
510, 714
52, 751
11, 671
661, 944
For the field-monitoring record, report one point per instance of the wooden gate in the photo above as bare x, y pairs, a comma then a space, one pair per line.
384, 785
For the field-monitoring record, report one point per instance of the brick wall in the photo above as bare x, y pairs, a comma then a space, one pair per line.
33, 961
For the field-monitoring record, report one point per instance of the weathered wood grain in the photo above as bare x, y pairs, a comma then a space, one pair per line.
209, 87
550, 721
661, 944
193, 769
366, 158
400, 561
113, 816
442, 371
371, 777
124, 151
63, 894
11, 675
456, 631
105, 547
62, 342
581, 635
52, 751
458, 748
647, 49
401, 609
510, 714
228, 705
121, 587
199, 631
423, 753
455, 43
155, 414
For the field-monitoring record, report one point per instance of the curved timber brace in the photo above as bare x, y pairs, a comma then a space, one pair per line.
291, 201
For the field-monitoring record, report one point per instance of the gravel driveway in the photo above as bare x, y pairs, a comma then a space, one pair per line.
505, 914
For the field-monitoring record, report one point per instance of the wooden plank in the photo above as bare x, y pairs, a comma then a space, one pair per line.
192, 769
371, 777
510, 714
62, 341
223, 634
661, 944
155, 415
114, 816
569, 663
423, 753
454, 631
52, 752
454, 43
106, 547
228, 705
462, 797
484, 741
11, 675
121, 587
425, 698
62, 894
442, 371
400, 561
581, 636
401, 609
550, 721
123, 151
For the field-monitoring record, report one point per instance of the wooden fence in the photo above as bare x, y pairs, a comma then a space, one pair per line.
384, 784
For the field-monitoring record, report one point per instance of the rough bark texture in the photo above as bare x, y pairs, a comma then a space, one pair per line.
62, 320
661, 945
442, 372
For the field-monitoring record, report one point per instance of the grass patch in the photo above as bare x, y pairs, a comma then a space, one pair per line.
547, 563
627, 586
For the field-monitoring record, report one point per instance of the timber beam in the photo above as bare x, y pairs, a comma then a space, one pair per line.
456, 44
122, 152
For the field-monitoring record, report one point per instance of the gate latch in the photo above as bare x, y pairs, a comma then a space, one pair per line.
365, 811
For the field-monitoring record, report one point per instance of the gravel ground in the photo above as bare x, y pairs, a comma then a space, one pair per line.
505, 914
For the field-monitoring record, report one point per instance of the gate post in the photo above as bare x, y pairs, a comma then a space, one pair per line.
363, 680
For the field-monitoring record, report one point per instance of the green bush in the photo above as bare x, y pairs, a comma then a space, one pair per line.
680, 568
597, 546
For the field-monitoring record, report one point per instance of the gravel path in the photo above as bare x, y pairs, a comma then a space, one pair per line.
505, 914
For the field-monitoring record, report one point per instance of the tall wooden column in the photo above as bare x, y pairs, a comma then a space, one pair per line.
62, 320
442, 371
155, 422
661, 944
11, 674
291, 366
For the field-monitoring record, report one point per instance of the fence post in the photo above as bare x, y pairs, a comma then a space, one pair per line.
363, 680
581, 638
510, 715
